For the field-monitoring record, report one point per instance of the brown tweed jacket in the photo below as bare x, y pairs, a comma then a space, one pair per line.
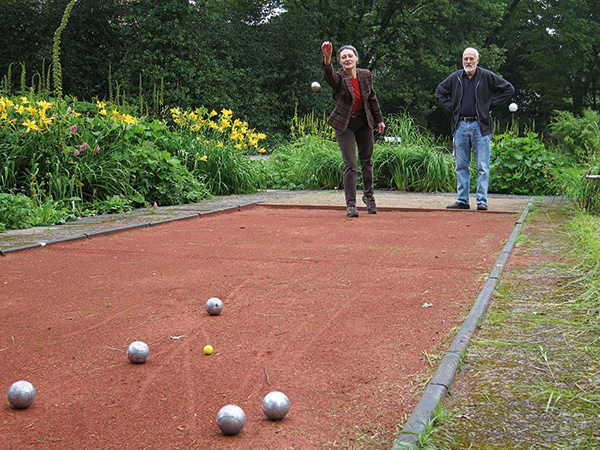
343, 94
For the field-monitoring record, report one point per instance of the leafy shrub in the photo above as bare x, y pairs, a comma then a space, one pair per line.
580, 136
309, 162
522, 165
224, 169
161, 178
67, 149
584, 191
413, 160
412, 168
117, 204
16, 211
19, 211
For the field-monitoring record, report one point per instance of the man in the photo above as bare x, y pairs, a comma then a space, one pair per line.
470, 94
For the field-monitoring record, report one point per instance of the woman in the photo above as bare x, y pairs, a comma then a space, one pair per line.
355, 112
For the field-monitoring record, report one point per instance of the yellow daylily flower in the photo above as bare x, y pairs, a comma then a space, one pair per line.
130, 119
31, 126
101, 105
44, 105
6, 102
204, 158
45, 121
102, 112
24, 100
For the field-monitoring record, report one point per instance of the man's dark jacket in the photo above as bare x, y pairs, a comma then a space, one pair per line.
490, 92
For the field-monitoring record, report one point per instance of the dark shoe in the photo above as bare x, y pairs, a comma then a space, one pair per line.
458, 205
371, 206
481, 207
351, 211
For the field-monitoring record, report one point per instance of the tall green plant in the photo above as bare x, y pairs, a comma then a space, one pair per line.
309, 125
413, 168
57, 68
583, 186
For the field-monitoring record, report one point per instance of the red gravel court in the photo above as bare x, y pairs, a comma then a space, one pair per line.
345, 316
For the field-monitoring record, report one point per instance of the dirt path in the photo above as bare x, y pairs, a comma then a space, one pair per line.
339, 314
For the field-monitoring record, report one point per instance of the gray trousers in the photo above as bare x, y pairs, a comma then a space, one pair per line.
358, 135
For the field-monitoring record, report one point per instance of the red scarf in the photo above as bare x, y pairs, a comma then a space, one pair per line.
357, 106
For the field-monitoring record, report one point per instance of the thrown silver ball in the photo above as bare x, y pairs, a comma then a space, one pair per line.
138, 352
276, 405
21, 394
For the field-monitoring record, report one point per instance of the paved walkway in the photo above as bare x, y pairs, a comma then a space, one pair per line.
33, 237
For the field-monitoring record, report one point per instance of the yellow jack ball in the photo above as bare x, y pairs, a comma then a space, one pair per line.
208, 349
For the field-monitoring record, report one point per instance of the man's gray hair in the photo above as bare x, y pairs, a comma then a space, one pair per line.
472, 49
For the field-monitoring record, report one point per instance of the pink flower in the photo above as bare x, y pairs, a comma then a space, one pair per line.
73, 128
83, 147
155, 205
76, 153
98, 149
122, 196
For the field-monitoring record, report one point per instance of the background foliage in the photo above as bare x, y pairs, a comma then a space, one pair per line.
259, 57
142, 79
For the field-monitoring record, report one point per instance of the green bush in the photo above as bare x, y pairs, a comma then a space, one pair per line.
579, 136
16, 211
412, 168
19, 211
522, 165
413, 161
161, 178
98, 152
584, 191
309, 162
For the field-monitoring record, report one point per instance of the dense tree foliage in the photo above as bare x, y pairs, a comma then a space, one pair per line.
258, 57
553, 55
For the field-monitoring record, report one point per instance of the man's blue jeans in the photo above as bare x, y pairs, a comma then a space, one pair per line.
467, 137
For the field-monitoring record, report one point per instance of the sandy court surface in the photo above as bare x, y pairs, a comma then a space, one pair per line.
402, 200
340, 314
